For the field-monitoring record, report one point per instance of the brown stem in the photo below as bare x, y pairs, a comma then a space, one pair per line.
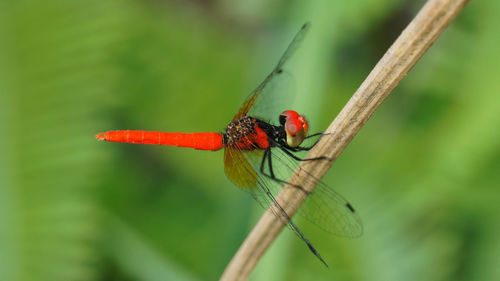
418, 36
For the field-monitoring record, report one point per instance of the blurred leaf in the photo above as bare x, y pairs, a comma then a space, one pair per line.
137, 258
52, 70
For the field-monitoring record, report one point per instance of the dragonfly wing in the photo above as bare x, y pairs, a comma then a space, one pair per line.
241, 168
264, 88
324, 206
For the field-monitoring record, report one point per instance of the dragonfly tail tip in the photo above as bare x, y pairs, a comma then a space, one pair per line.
101, 136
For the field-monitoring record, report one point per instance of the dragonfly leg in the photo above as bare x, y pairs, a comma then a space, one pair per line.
287, 151
307, 148
263, 163
267, 154
314, 135
270, 164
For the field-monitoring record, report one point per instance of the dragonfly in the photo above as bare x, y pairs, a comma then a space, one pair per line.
260, 156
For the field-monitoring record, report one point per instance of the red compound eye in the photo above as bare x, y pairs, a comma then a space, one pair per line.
304, 124
293, 126
293, 122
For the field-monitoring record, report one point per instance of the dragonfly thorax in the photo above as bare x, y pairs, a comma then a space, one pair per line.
245, 134
238, 129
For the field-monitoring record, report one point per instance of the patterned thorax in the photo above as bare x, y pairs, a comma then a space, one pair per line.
245, 134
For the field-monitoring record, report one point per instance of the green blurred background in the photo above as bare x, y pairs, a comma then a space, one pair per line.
423, 172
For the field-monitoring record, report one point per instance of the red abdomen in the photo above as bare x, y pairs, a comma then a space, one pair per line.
203, 141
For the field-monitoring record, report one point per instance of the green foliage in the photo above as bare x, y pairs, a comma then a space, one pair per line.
423, 172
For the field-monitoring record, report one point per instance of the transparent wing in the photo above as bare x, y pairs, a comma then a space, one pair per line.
278, 78
240, 169
324, 206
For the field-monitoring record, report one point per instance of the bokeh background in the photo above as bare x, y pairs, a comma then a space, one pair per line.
424, 173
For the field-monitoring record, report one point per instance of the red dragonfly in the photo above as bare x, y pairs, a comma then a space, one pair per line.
259, 157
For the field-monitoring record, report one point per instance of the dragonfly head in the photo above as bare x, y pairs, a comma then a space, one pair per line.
295, 126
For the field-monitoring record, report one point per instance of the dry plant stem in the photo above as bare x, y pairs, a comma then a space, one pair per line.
424, 29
